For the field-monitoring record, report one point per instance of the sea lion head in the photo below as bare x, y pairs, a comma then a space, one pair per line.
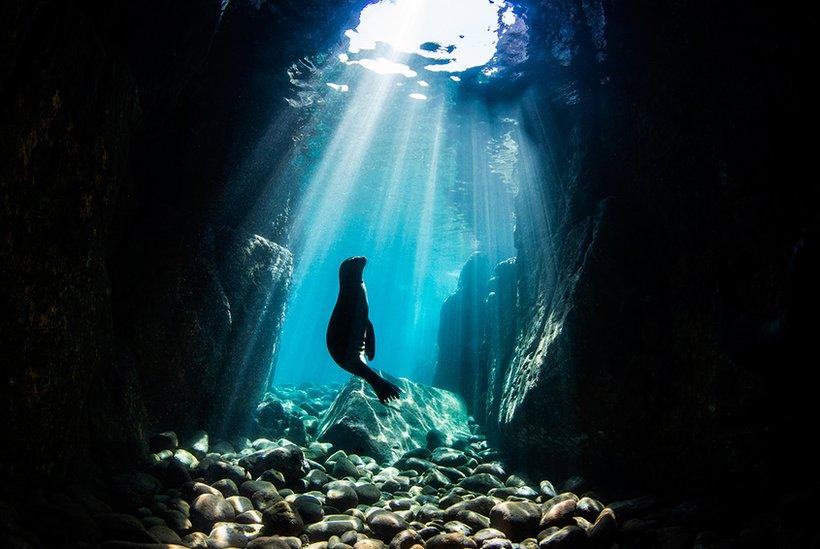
351, 269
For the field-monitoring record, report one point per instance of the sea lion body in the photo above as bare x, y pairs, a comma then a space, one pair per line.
350, 334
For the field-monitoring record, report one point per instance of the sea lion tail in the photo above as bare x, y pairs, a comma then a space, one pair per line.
385, 390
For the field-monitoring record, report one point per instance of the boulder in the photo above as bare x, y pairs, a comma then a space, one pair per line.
358, 423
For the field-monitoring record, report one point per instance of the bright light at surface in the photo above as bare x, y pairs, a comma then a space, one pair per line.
457, 34
419, 96
422, 83
338, 87
385, 66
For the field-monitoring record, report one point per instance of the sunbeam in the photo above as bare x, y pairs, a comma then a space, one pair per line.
399, 175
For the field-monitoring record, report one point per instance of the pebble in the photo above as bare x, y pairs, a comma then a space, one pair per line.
281, 519
559, 514
517, 519
226, 487
273, 494
406, 539
333, 525
208, 509
342, 495
568, 537
480, 483
385, 525
451, 541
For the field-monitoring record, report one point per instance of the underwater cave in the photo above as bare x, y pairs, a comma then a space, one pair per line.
407, 274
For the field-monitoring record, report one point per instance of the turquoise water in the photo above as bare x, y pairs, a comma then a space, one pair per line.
403, 169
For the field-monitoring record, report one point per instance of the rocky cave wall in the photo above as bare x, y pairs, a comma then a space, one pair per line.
666, 216
143, 259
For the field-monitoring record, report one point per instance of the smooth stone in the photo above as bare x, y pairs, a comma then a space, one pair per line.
448, 457
604, 530
309, 508
288, 459
249, 517
429, 512
231, 534
281, 519
559, 514
435, 478
547, 490
481, 483
367, 493
494, 469
240, 504
344, 467
428, 532
250, 487
451, 541
452, 473
385, 525
342, 496
589, 508
269, 542
406, 539
333, 525
220, 470
209, 509
458, 527
198, 444
265, 498
274, 477
418, 464
350, 537
568, 537
481, 505
369, 544
475, 521
226, 487
497, 543
488, 533
195, 489
186, 458
195, 539
316, 479
399, 504
517, 519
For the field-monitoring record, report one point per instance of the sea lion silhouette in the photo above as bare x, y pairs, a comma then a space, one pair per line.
350, 333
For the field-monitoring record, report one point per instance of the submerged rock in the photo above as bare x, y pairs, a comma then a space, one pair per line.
358, 423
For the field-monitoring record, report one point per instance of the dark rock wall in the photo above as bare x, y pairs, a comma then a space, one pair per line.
673, 191
139, 262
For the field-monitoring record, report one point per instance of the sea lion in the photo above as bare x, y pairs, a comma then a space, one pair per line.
350, 334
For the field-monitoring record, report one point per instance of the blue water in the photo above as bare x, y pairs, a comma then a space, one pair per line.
403, 170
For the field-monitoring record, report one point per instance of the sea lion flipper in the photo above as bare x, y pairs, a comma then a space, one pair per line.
370, 341
385, 391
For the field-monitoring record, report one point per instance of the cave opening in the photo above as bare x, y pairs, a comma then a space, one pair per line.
592, 264
396, 162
